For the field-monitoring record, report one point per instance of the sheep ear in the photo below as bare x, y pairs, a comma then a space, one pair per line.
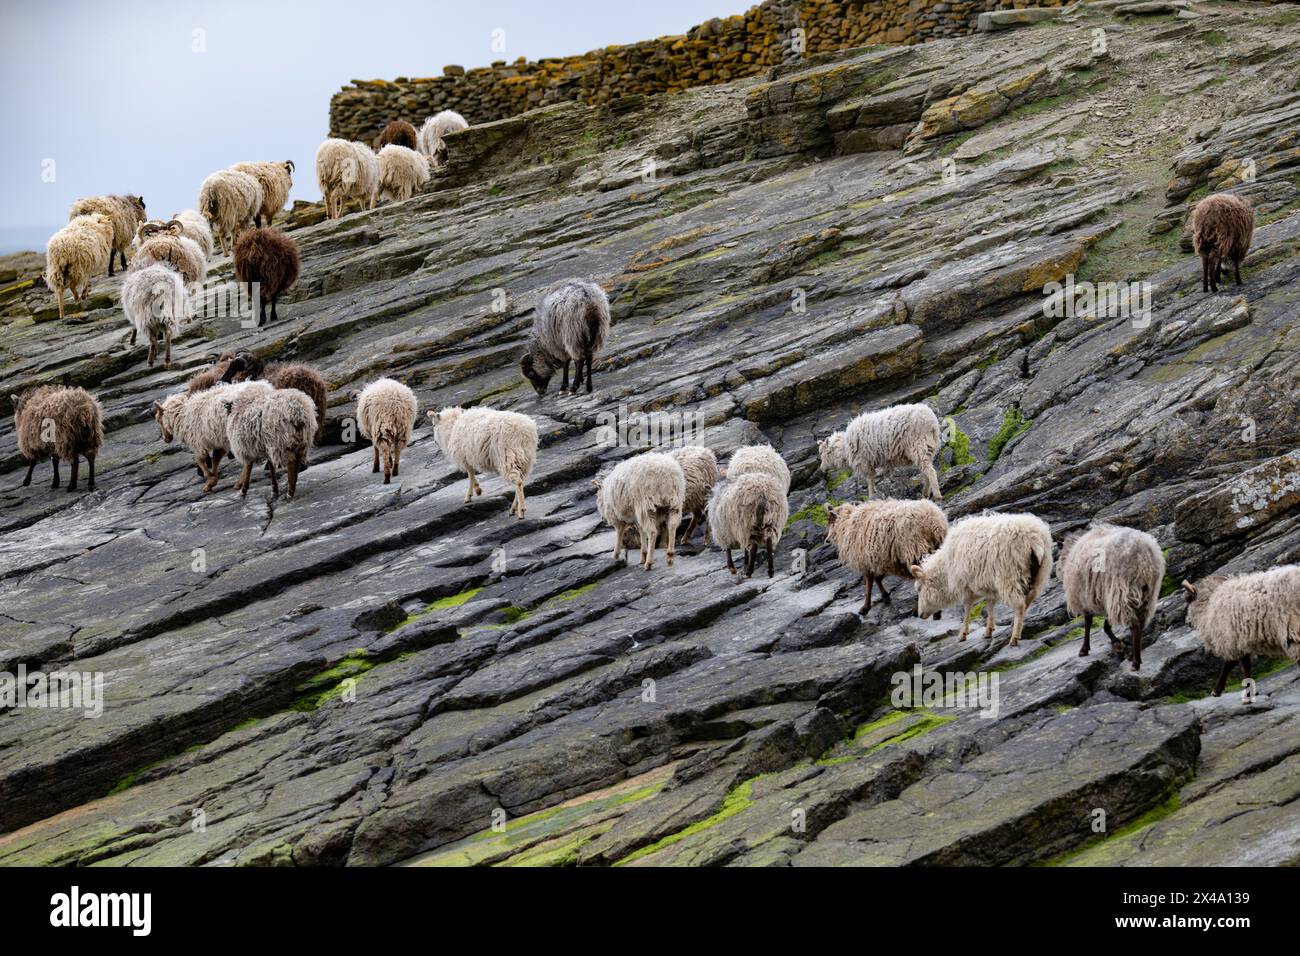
916, 572
13, 398
830, 516
1190, 588
157, 408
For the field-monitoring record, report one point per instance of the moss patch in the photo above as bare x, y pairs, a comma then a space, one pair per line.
442, 604
332, 682
738, 799
1153, 815
1014, 424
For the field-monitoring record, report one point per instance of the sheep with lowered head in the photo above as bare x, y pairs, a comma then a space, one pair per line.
386, 413
1247, 615
75, 254
55, 422
1222, 227
433, 131
1114, 573
274, 425
346, 171
198, 420
749, 512
165, 242
487, 440
269, 258
245, 366
571, 324
400, 132
994, 557
276, 180
195, 228
700, 466
125, 212
883, 537
898, 435
402, 172
758, 460
153, 298
229, 200
643, 492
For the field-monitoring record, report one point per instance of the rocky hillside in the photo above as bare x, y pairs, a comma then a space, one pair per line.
375, 674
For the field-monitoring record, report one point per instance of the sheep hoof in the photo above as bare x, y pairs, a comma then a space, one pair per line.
1083, 652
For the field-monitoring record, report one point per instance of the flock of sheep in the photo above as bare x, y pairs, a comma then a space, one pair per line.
274, 413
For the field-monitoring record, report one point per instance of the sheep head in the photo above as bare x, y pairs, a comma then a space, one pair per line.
932, 591
161, 416
536, 372
832, 452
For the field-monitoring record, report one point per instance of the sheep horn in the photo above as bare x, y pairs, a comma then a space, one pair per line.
1190, 588
289, 163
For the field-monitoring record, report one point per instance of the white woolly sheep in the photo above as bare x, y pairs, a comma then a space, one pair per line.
402, 172
1247, 614
346, 171
165, 242
889, 536
75, 254
433, 131
386, 413
229, 200
125, 212
700, 466
898, 435
198, 420
758, 460
153, 298
748, 511
274, 425
1115, 573
571, 324
487, 440
994, 557
641, 492
55, 422
195, 228
276, 180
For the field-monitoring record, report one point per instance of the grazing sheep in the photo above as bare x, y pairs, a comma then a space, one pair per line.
700, 466
748, 511
274, 425
996, 557
276, 180
1222, 227
386, 413
125, 212
1115, 573
228, 200
433, 131
195, 228
1247, 614
198, 420
889, 536
898, 435
214, 373
484, 439
165, 242
398, 132
641, 492
402, 172
153, 298
571, 324
245, 366
758, 460
346, 171
75, 254
57, 422
269, 258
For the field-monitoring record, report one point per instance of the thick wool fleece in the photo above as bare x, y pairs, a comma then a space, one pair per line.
487, 440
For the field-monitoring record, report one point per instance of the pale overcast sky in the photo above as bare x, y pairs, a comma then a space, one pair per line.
114, 94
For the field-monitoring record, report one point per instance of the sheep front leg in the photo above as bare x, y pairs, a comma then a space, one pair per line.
989, 621
521, 503
31, 467
397, 458
1136, 637
564, 383
133, 334
1087, 636
153, 350
931, 479
731, 565
275, 484
292, 468
588, 360
1237, 269
244, 479
884, 595
167, 359
866, 603
55, 460
1223, 679
871, 482
388, 464
375, 469
649, 532
469, 492
965, 621
1018, 625
90, 478
771, 562
618, 541
72, 482
674, 518
1116, 646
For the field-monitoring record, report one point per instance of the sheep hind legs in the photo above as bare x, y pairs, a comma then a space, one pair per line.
397, 451
72, 481
31, 467
242, 484
55, 460
520, 503
1018, 626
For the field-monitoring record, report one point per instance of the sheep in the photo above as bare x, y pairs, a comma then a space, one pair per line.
997, 557
153, 298
198, 420
402, 172
195, 228
165, 242
273, 425
399, 132
484, 439
75, 254
245, 366
877, 538
125, 212
1116, 573
1247, 614
228, 200
758, 460
269, 258
571, 324
1222, 227
386, 413
700, 466
55, 422
748, 511
276, 180
345, 171
898, 435
641, 492
214, 373
433, 131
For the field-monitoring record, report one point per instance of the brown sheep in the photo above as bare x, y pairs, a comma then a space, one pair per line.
304, 378
57, 422
269, 258
400, 132
1222, 227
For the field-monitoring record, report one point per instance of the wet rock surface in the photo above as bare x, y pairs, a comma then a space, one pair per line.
379, 674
